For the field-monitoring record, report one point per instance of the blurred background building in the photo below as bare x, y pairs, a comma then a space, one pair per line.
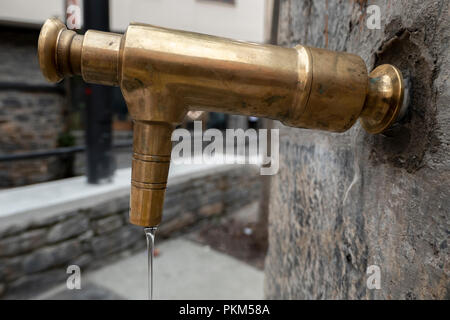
36, 116
53, 136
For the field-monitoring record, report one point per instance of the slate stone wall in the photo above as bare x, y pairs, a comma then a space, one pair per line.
344, 202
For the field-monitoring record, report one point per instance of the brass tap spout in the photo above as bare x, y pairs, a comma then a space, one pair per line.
165, 73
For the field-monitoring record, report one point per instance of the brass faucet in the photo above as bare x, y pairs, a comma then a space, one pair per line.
165, 73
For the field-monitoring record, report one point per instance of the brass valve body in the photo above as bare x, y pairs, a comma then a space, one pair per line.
165, 73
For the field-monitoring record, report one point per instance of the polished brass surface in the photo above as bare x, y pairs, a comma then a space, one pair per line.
385, 99
163, 74
100, 57
150, 167
47, 45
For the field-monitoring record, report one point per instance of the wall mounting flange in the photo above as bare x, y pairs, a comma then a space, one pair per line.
385, 103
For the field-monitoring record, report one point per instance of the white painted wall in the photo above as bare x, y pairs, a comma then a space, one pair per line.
31, 11
242, 21
245, 20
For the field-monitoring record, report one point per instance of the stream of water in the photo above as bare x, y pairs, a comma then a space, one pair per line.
150, 235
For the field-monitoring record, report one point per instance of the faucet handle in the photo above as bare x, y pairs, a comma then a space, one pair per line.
64, 53
47, 46
59, 51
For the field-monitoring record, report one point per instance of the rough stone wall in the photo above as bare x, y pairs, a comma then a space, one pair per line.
31, 110
343, 202
35, 255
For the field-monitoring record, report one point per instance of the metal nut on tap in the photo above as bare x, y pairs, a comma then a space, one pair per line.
302, 87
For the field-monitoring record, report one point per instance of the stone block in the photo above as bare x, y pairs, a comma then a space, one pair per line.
117, 240
11, 230
182, 221
103, 209
107, 224
50, 257
67, 229
211, 209
10, 269
2, 289
27, 241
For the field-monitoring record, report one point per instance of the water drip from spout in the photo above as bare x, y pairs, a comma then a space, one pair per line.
150, 235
